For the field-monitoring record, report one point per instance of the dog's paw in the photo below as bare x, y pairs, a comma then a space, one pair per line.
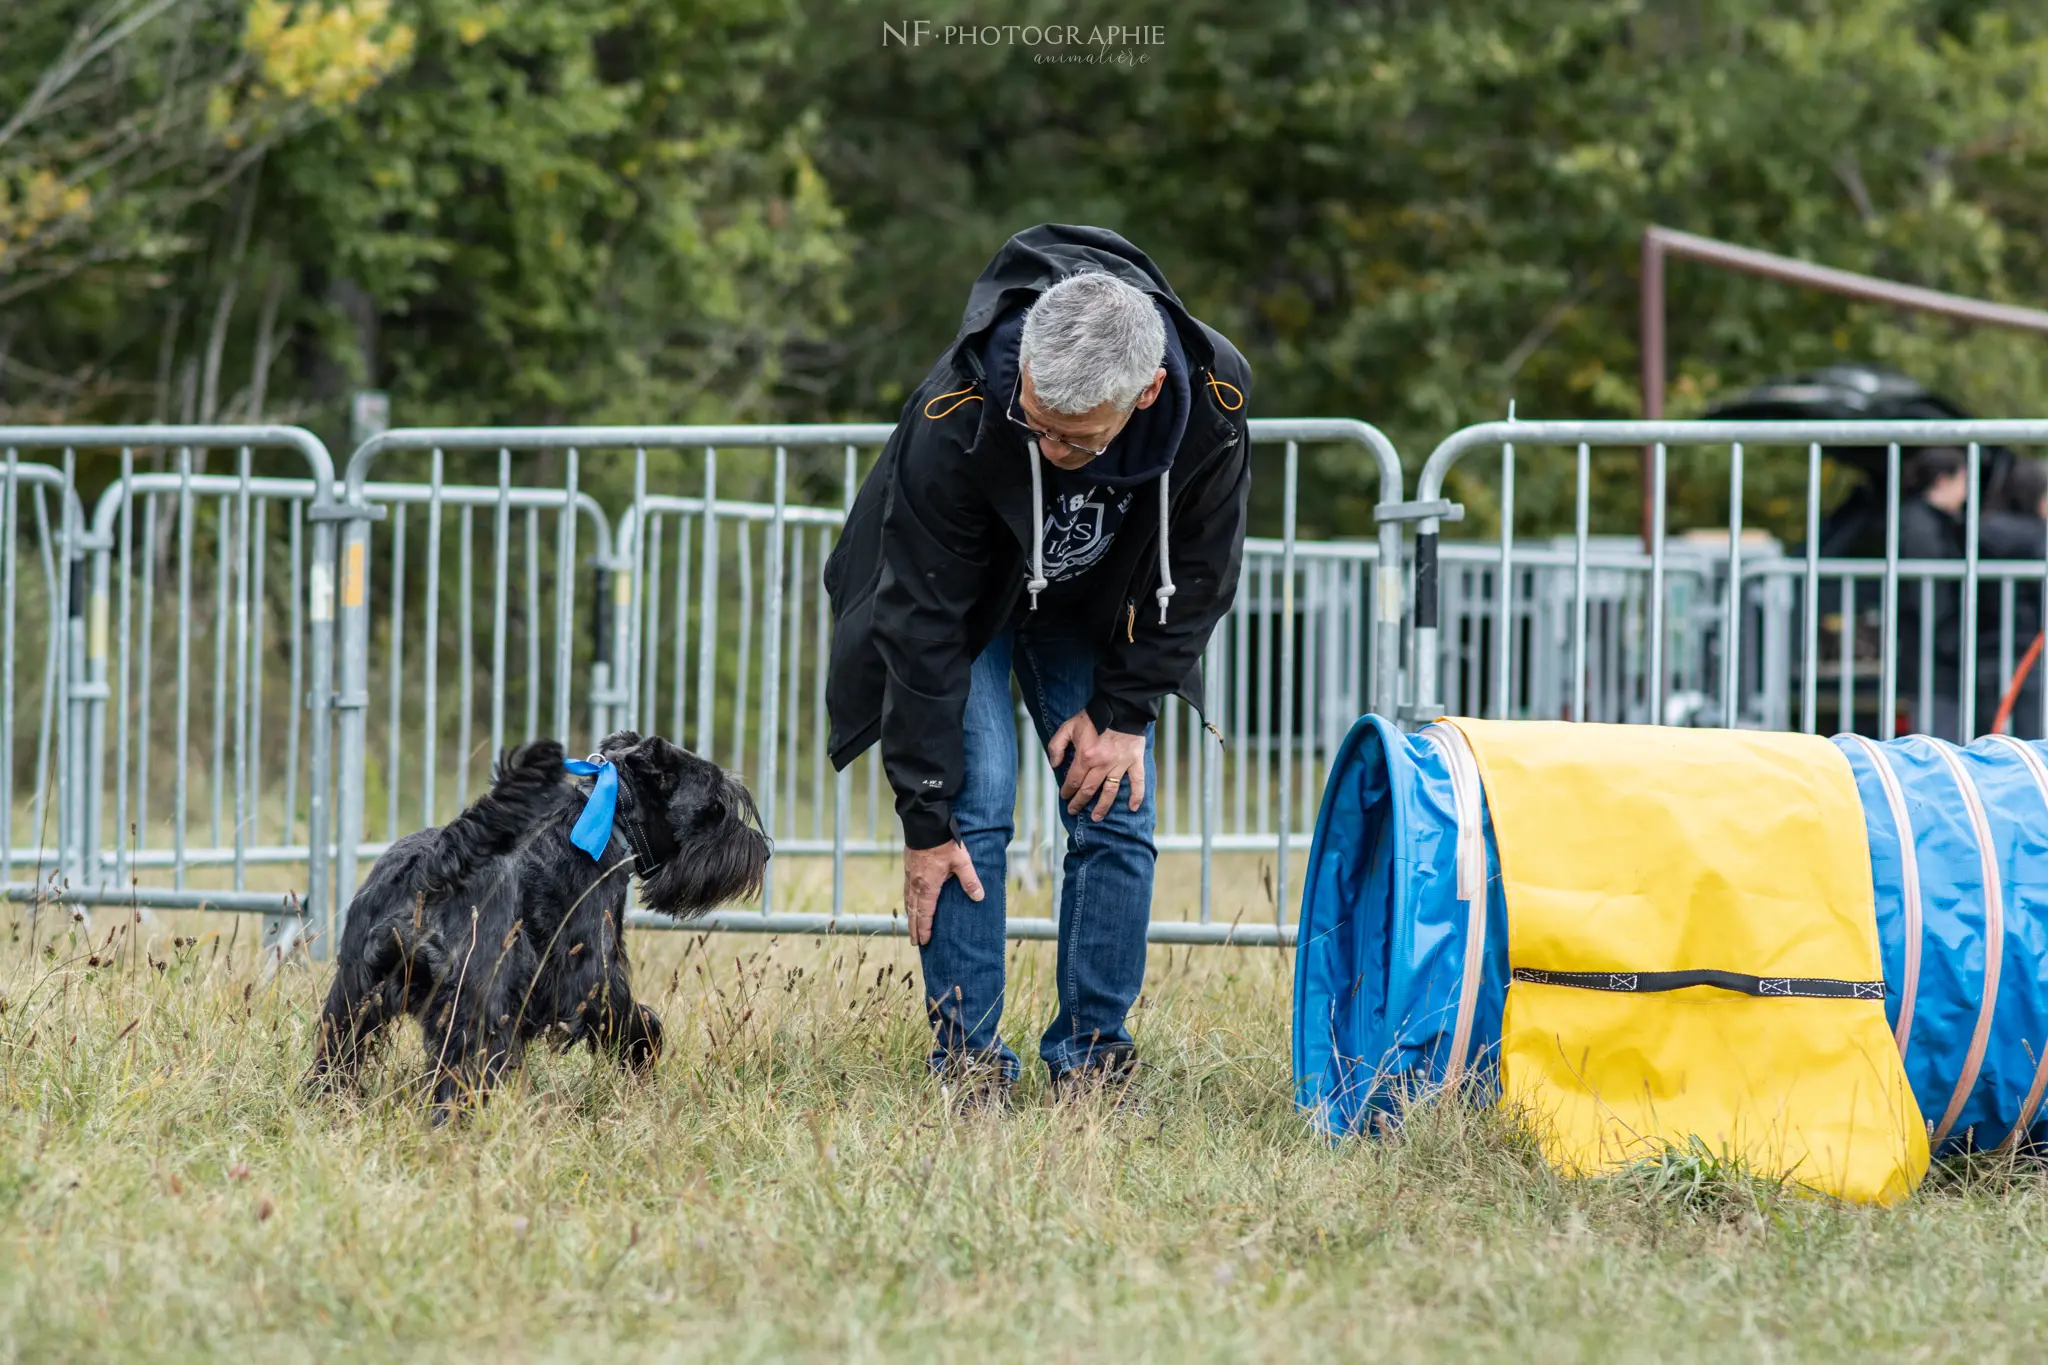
324, 1082
642, 1044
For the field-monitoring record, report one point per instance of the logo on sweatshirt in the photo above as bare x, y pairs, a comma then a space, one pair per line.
1079, 528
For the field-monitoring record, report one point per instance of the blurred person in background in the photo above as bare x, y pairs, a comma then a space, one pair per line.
1935, 487
2011, 525
2014, 527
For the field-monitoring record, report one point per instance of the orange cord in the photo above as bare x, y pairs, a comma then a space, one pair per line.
2012, 689
1217, 386
972, 397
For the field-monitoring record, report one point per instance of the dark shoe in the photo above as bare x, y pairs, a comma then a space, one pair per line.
975, 1084
1111, 1073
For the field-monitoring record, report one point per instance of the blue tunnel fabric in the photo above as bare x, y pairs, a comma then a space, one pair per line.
1973, 1101
1384, 939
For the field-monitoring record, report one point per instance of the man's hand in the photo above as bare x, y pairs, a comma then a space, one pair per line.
1102, 758
925, 870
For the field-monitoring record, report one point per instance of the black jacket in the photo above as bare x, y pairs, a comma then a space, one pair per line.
934, 556
1927, 532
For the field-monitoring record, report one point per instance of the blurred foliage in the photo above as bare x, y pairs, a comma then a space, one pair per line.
579, 210
123, 117
1419, 213
1415, 213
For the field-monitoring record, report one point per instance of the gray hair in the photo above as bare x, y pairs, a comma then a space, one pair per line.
1091, 339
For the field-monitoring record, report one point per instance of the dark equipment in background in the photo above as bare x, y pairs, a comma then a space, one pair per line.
1855, 528
1858, 392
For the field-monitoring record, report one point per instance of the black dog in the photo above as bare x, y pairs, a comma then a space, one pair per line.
496, 928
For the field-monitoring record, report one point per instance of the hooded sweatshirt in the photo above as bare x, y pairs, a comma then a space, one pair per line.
947, 540
1081, 510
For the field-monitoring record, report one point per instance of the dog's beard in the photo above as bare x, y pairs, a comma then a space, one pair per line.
716, 860
694, 830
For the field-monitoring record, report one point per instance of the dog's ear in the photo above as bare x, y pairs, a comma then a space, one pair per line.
656, 764
618, 742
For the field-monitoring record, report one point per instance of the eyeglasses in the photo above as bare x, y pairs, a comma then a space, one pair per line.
1089, 451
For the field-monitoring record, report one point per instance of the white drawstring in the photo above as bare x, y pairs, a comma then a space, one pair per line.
1165, 569
1036, 583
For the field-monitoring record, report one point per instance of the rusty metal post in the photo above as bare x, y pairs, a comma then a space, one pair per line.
1659, 241
1653, 360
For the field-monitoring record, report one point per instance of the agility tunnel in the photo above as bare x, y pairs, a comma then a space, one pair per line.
1826, 956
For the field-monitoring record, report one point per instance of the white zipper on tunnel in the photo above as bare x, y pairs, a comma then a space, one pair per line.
1909, 875
2039, 772
1467, 804
1994, 936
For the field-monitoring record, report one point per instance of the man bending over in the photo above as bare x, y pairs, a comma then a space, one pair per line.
1062, 501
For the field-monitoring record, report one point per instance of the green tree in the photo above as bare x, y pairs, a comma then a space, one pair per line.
123, 125
1417, 214
581, 210
572, 211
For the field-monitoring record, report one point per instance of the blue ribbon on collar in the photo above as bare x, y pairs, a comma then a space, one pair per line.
593, 831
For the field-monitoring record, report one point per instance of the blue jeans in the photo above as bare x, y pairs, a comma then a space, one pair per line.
1107, 899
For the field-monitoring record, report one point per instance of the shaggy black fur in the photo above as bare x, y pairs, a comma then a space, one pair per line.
495, 928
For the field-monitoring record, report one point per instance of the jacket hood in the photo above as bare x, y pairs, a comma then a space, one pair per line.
1037, 258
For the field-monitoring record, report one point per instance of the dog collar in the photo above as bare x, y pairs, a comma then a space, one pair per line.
652, 844
593, 831
640, 837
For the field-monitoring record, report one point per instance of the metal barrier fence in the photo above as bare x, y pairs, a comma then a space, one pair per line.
1312, 640
1732, 634
37, 631
99, 678
173, 653
1534, 628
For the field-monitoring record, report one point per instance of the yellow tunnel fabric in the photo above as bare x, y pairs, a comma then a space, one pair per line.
1634, 849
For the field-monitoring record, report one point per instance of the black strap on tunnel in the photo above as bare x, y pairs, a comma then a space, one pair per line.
1638, 983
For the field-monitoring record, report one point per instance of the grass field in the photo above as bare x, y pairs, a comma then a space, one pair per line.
787, 1186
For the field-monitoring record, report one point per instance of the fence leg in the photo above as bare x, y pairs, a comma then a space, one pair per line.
629, 607
601, 651
842, 780
71, 624
771, 667
329, 886
1386, 623
1287, 663
1211, 750
95, 693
